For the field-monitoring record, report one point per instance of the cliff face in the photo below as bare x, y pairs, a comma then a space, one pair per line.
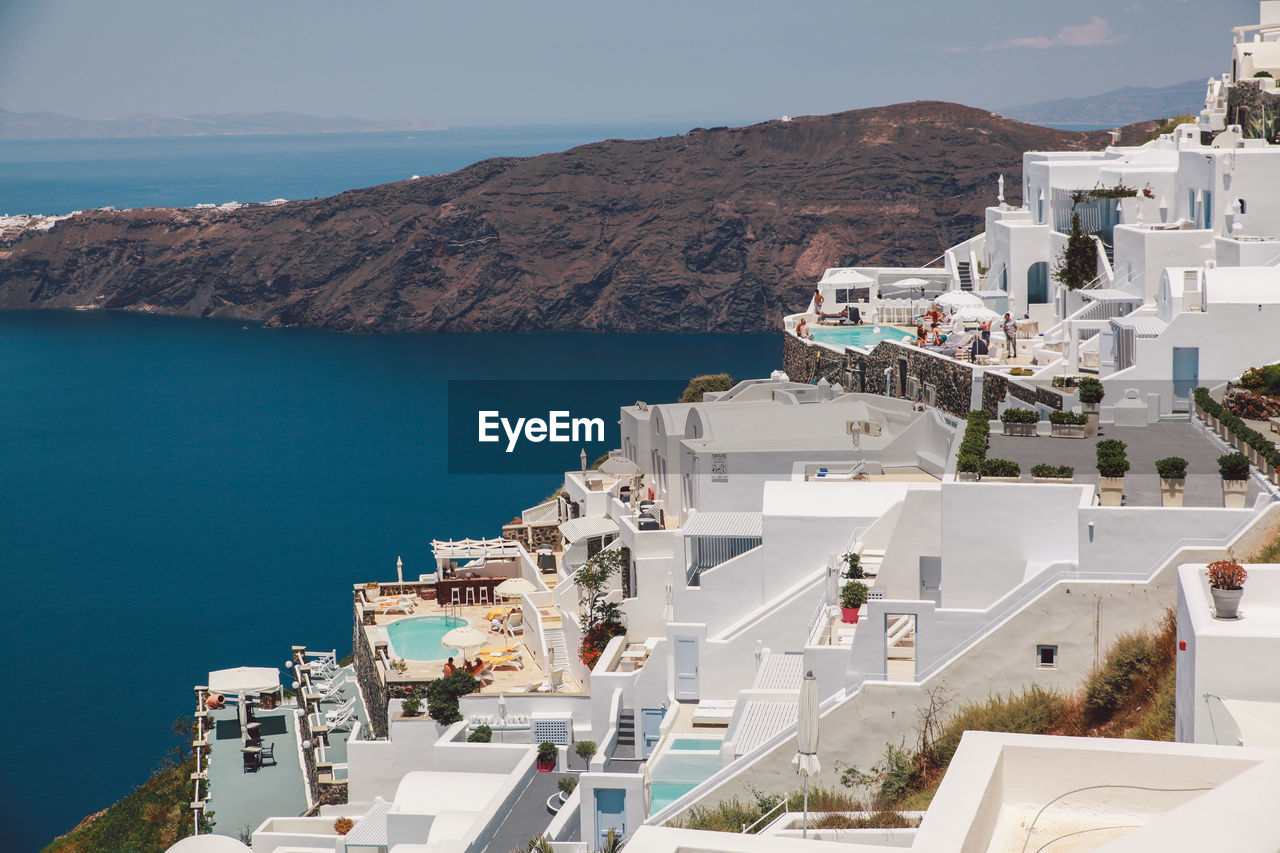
716, 230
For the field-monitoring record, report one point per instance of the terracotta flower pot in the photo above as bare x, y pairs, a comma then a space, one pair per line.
849, 615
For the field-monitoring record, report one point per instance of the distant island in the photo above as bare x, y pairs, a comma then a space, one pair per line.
720, 230
1116, 108
45, 125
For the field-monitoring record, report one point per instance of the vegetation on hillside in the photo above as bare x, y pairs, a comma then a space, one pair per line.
1131, 694
152, 818
1167, 125
700, 385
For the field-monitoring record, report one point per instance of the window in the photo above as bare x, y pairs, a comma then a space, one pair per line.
1046, 657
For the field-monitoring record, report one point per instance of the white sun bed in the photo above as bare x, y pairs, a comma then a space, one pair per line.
714, 712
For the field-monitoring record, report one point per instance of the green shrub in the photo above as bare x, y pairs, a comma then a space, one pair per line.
1257, 74
1159, 720
853, 566
1108, 687
1000, 468
1019, 416
443, 693
1065, 381
411, 705
1112, 465
1111, 445
567, 784
1172, 467
896, 773
968, 463
853, 595
699, 385
1035, 710
726, 816
1233, 466
585, 749
1056, 472
482, 734
1068, 418
1262, 380
1090, 390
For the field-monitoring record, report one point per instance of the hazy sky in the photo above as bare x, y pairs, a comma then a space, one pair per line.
509, 62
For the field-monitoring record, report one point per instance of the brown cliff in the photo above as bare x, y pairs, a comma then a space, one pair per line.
715, 230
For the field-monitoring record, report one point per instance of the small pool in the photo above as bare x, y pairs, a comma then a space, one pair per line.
663, 794
700, 744
857, 336
418, 638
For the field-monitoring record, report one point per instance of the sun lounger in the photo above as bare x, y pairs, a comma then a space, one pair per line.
496, 650
340, 718
553, 683
714, 712
513, 660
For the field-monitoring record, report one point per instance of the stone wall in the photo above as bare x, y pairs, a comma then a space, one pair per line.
1022, 391
1049, 397
853, 370
533, 535
995, 387
375, 691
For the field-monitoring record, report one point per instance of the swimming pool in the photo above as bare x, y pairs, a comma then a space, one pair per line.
418, 638
681, 767
857, 336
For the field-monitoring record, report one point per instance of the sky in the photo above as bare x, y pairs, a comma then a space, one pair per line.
516, 62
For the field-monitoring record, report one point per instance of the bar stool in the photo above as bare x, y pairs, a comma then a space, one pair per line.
471, 595
457, 596
484, 595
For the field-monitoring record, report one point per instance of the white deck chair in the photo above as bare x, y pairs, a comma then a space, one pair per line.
404, 604
328, 689
513, 624
554, 683
340, 718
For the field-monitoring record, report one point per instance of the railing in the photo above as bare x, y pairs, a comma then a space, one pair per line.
748, 829
199, 746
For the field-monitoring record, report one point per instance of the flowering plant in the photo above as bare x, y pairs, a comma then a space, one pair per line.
1227, 574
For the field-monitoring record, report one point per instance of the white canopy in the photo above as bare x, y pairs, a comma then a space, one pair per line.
844, 277
209, 844
471, 549
244, 679
977, 314
577, 529
514, 586
1258, 722
806, 758
465, 637
958, 299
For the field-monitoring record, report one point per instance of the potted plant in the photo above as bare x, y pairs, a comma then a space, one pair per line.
1226, 585
1000, 471
547, 755
585, 749
1173, 479
343, 825
1091, 393
1020, 421
1052, 473
411, 706
1068, 424
1112, 465
853, 566
852, 596
1234, 469
482, 734
567, 784
967, 465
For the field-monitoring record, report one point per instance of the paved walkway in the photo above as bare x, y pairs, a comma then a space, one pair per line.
245, 799
529, 817
1144, 446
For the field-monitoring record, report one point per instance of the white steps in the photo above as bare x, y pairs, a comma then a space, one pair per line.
554, 638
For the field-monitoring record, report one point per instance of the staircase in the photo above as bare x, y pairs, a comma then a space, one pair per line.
966, 275
626, 747
870, 560
555, 641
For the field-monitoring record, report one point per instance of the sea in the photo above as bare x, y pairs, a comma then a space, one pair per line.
182, 495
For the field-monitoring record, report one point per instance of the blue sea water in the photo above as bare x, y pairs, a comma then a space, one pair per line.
61, 175
178, 496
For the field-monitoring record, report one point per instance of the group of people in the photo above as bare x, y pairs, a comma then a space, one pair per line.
469, 667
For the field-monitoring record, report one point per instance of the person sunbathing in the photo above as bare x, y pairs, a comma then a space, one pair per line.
449, 668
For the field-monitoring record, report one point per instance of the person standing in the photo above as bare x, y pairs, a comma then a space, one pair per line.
985, 328
1011, 334
817, 301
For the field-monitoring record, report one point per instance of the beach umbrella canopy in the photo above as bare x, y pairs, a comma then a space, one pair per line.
976, 314
958, 299
514, 586
465, 637
806, 759
244, 679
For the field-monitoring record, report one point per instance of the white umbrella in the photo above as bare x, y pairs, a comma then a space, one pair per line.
806, 760
502, 707
464, 638
976, 314
958, 299
514, 587
242, 680
669, 612
400, 571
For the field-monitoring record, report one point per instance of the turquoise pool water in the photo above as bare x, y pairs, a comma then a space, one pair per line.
663, 794
419, 638
857, 336
702, 744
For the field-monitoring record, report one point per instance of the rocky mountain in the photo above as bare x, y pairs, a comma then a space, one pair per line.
1117, 107
45, 125
714, 230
